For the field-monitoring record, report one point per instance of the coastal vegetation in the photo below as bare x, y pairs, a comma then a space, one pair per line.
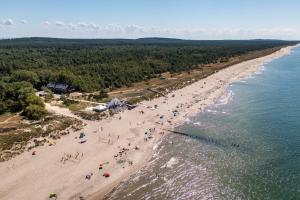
19, 96
89, 65
17, 136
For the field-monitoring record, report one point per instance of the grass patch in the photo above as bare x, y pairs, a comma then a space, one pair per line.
14, 142
74, 106
93, 115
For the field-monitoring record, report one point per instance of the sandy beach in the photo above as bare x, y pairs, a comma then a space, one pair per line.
120, 145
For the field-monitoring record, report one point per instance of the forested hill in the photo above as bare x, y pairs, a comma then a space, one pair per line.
50, 42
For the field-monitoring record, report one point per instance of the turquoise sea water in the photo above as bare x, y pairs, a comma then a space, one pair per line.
248, 148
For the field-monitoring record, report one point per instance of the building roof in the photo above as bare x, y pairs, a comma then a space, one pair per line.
114, 103
100, 108
57, 86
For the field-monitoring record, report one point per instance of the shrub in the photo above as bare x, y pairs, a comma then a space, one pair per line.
34, 112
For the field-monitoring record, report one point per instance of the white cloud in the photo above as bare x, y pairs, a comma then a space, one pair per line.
7, 22
111, 29
47, 23
59, 23
87, 26
72, 26
24, 21
93, 26
133, 28
82, 24
79, 26
90, 29
115, 29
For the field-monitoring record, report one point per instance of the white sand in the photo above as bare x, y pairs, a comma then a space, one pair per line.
34, 177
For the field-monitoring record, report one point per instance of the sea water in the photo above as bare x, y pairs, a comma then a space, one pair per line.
249, 146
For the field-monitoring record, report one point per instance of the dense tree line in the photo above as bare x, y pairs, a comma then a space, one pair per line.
90, 65
20, 97
93, 65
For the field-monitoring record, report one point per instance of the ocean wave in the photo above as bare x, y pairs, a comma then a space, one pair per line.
156, 145
173, 161
241, 81
211, 111
250, 77
197, 123
141, 187
187, 120
260, 71
225, 98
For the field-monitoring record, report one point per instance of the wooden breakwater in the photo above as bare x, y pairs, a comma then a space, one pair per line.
205, 139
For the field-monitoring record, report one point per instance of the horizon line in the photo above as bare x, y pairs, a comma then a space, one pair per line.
171, 38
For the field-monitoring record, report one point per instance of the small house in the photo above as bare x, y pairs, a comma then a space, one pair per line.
58, 87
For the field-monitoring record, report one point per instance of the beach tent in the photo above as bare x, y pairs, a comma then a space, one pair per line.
100, 108
114, 103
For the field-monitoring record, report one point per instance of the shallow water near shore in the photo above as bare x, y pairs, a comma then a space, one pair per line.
248, 145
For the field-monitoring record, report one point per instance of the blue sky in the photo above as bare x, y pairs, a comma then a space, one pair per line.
189, 19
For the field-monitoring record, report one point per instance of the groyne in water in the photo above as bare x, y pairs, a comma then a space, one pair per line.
208, 140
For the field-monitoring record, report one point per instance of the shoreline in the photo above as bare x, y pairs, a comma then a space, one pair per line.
284, 51
24, 174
